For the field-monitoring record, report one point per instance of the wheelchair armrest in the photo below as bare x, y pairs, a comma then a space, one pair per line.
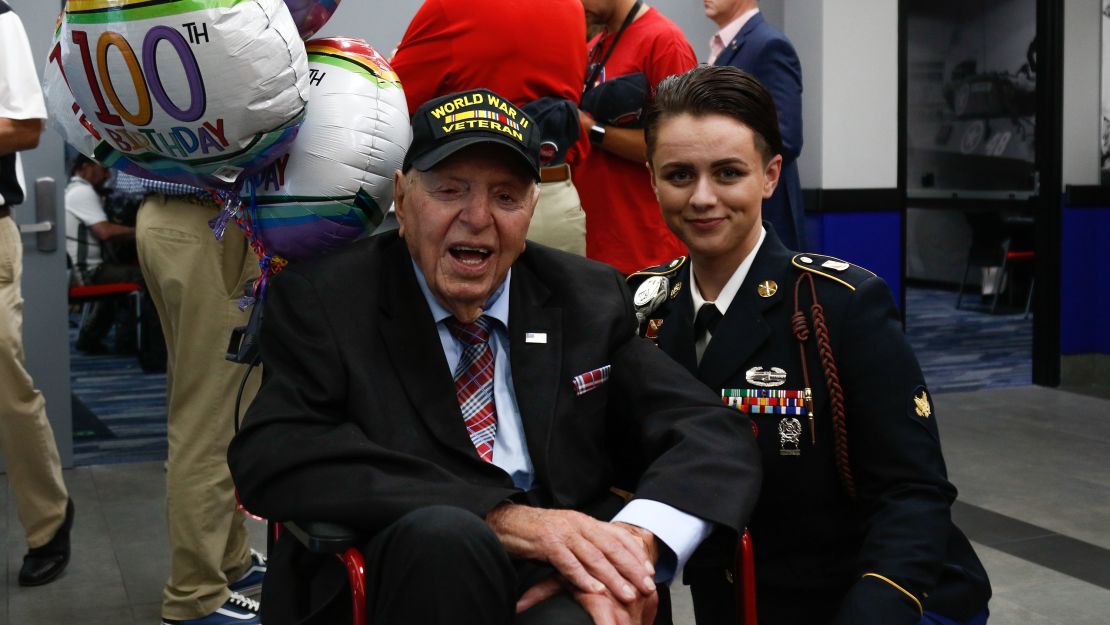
321, 537
343, 542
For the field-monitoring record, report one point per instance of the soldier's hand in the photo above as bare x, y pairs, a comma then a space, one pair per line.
540, 592
593, 556
604, 609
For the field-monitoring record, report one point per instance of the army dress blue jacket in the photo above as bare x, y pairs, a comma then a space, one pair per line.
882, 556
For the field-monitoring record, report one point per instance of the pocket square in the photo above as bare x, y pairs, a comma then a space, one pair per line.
590, 380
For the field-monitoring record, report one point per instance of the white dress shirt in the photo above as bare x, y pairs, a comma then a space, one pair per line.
727, 294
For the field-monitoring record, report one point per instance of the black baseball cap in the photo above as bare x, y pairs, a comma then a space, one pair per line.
447, 124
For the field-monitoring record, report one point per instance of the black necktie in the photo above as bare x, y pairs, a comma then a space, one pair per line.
706, 320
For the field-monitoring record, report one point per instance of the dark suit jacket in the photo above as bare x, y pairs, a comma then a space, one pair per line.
812, 542
766, 53
357, 422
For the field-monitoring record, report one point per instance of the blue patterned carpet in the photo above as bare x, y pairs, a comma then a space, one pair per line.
966, 350
124, 415
959, 350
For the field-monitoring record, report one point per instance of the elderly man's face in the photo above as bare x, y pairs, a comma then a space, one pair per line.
465, 222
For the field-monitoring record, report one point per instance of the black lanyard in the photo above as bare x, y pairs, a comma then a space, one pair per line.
600, 66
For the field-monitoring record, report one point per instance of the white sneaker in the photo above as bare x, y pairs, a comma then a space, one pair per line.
237, 610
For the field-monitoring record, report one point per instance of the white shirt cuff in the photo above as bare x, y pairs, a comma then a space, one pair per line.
678, 531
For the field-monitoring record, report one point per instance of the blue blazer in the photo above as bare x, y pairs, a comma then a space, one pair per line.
761, 50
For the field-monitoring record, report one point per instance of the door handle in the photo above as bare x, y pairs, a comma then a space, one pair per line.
46, 234
36, 228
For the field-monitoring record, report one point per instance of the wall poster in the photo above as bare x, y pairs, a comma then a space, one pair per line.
971, 101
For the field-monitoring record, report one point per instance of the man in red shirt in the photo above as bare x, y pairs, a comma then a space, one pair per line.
533, 53
623, 223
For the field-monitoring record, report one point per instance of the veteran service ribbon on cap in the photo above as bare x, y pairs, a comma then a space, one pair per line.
447, 124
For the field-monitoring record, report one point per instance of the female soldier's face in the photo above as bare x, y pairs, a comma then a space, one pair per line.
711, 181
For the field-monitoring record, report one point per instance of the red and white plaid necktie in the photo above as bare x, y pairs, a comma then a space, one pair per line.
474, 382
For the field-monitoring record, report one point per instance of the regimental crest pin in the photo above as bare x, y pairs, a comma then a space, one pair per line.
653, 327
757, 376
677, 288
922, 405
767, 288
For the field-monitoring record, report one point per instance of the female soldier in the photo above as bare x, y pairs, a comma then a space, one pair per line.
852, 525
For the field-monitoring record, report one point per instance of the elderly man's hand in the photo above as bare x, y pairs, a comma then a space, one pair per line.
594, 556
602, 606
606, 610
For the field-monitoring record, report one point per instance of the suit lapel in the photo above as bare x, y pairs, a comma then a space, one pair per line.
536, 366
744, 328
732, 48
676, 337
410, 336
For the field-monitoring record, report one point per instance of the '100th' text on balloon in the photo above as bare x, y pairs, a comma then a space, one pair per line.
175, 142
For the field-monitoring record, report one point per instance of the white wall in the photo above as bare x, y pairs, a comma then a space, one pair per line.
849, 55
859, 104
774, 11
380, 23
804, 25
383, 23
1082, 63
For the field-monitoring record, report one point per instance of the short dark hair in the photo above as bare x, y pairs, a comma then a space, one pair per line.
716, 90
80, 161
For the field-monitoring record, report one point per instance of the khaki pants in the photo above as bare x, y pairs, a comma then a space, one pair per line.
196, 282
34, 468
559, 221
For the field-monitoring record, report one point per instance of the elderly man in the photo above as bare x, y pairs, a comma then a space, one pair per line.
453, 45
476, 407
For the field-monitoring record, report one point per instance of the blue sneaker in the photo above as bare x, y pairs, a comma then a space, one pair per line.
251, 581
237, 610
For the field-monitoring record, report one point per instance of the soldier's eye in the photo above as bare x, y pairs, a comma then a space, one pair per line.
678, 176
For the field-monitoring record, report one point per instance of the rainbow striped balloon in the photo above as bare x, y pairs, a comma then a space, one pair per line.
336, 180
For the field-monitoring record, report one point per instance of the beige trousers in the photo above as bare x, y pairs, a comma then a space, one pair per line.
196, 282
559, 221
34, 468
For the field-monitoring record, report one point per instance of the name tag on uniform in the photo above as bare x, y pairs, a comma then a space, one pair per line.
535, 337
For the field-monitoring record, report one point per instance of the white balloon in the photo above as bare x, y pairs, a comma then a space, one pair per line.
63, 113
200, 91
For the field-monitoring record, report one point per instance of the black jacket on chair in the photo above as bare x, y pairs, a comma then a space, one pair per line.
814, 545
357, 423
